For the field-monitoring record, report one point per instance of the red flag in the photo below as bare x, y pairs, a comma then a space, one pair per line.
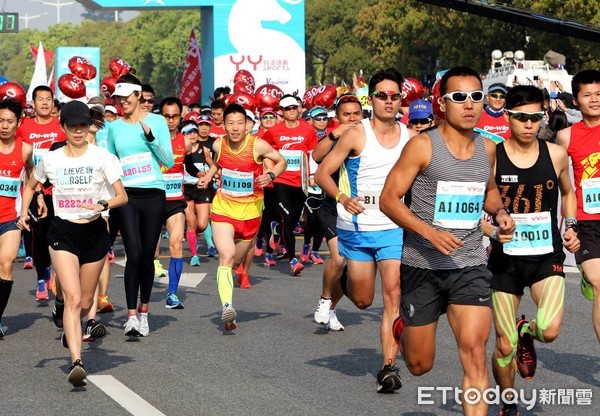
48, 55
191, 83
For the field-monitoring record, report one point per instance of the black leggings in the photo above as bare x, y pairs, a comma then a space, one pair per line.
290, 201
269, 214
312, 228
39, 236
140, 221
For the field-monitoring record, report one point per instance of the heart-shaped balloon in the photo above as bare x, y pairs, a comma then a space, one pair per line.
245, 76
13, 90
412, 89
268, 95
326, 97
241, 86
107, 85
82, 67
118, 67
244, 99
72, 86
310, 94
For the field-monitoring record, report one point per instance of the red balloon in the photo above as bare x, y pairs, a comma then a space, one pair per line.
326, 98
82, 67
244, 99
241, 86
107, 85
72, 86
118, 67
13, 90
310, 94
435, 101
244, 76
268, 95
412, 89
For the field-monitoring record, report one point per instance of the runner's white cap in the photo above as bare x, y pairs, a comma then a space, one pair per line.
125, 89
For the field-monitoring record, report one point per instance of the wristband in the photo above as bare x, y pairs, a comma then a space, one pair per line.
272, 175
104, 204
571, 220
332, 137
149, 136
337, 197
495, 234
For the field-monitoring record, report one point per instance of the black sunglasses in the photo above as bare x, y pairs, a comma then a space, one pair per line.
144, 100
420, 121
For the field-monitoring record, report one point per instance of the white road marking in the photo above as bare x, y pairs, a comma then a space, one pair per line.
187, 279
124, 396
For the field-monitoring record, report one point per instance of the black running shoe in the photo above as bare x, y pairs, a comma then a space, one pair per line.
57, 313
93, 331
77, 374
388, 379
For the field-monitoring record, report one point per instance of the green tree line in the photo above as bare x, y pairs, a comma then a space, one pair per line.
341, 38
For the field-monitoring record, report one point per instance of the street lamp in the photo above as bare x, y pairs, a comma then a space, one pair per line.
56, 4
27, 18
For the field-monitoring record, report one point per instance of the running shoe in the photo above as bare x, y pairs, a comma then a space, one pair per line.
296, 267
165, 235
281, 252
52, 285
315, 258
269, 260
388, 379
275, 239
132, 326
28, 263
239, 270
77, 374
41, 292
298, 229
111, 255
397, 328
104, 305
144, 327
228, 317
173, 302
258, 248
93, 330
57, 313
21, 253
304, 256
586, 286
159, 271
195, 261
1, 331
322, 313
334, 324
510, 411
526, 355
211, 252
244, 281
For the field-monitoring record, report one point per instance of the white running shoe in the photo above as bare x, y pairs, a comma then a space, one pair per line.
132, 326
322, 312
144, 328
228, 317
334, 324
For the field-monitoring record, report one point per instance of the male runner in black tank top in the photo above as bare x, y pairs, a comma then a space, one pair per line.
529, 173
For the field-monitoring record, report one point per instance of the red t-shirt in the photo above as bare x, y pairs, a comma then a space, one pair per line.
494, 125
11, 167
174, 176
216, 131
293, 144
584, 149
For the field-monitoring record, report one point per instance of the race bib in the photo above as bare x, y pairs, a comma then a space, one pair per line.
237, 183
371, 192
458, 205
533, 235
136, 168
590, 189
9, 187
68, 199
173, 184
38, 154
293, 159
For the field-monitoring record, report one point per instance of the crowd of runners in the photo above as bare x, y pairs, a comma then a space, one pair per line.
398, 190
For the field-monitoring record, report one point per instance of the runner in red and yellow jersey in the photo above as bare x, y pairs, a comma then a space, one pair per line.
237, 205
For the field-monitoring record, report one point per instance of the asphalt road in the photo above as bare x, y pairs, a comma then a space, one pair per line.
278, 361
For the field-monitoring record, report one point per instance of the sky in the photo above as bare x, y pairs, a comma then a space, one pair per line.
70, 13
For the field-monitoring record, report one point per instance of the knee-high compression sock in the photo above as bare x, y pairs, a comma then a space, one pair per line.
175, 268
5, 289
225, 284
192, 240
208, 236
504, 313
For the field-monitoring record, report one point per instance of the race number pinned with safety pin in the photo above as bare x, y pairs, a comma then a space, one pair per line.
371, 192
236, 183
590, 189
458, 205
533, 235
136, 168
173, 184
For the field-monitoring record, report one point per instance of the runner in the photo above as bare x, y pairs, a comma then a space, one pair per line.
420, 117
581, 142
77, 236
141, 141
443, 265
349, 113
237, 205
366, 237
15, 158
